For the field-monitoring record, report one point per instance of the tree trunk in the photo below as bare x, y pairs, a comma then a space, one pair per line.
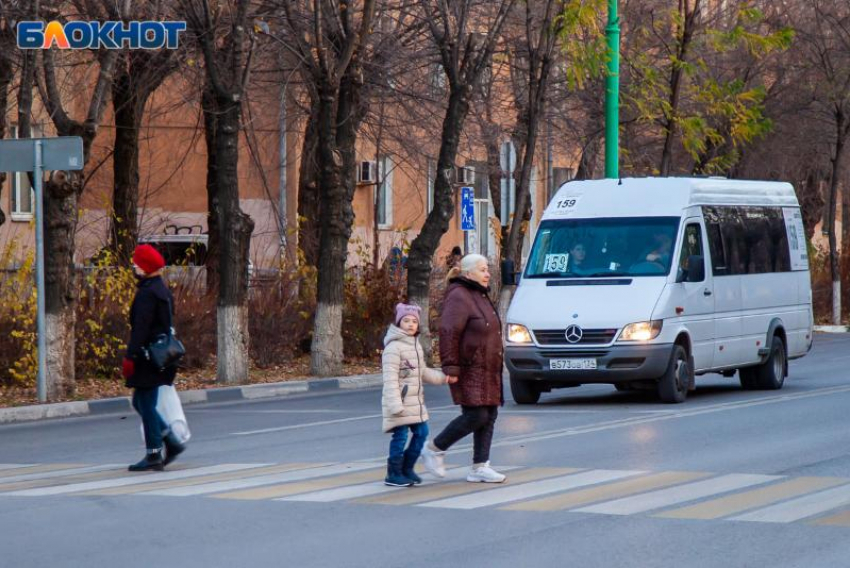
337, 127
835, 269
326, 351
670, 123
128, 105
425, 244
138, 74
208, 104
61, 214
309, 199
235, 239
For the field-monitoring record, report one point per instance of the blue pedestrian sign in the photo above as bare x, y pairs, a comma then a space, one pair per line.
467, 209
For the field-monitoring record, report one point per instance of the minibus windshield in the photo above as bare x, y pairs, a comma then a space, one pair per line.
594, 248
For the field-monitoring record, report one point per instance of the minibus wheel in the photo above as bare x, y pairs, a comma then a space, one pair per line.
524, 392
770, 375
673, 385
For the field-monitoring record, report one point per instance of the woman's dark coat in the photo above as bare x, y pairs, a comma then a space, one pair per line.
149, 318
471, 344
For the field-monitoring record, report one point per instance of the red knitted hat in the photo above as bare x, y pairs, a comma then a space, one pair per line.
148, 259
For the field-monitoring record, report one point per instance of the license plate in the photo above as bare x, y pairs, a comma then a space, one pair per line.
571, 364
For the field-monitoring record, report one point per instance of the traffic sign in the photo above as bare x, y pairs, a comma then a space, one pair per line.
467, 208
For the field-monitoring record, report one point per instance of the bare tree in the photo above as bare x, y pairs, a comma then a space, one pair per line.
224, 33
62, 193
138, 73
464, 52
824, 30
330, 41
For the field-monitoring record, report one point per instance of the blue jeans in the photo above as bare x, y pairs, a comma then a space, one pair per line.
144, 401
420, 434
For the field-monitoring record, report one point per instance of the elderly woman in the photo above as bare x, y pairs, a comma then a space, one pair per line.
471, 350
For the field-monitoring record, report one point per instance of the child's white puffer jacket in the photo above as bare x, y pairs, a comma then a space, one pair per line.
403, 365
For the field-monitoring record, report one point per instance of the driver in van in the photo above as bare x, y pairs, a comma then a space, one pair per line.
663, 248
578, 253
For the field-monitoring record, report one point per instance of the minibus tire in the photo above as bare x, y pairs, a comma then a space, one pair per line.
776, 363
524, 392
672, 388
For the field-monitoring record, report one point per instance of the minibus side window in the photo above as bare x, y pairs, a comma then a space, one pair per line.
692, 245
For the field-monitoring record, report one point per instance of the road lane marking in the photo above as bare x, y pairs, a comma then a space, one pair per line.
296, 474
59, 470
608, 491
455, 484
842, 519
257, 469
679, 494
145, 478
510, 493
732, 504
305, 486
119, 471
800, 508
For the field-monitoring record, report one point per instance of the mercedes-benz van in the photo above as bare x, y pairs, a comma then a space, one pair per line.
648, 283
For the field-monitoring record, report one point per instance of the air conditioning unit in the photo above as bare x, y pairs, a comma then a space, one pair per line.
367, 172
465, 175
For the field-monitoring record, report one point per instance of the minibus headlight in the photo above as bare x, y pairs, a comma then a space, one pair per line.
518, 333
641, 331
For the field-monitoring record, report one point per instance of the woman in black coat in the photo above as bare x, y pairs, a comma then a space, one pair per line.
150, 316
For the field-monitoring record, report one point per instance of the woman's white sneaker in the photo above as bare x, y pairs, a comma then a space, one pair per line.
433, 460
483, 473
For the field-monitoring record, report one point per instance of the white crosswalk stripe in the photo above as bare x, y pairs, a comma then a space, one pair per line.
130, 480
800, 508
533, 489
679, 494
59, 473
295, 475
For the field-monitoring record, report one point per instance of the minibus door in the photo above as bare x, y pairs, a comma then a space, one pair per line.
697, 294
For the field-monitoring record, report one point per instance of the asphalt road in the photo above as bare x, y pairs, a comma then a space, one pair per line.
596, 478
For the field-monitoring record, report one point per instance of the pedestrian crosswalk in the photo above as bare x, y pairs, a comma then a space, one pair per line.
690, 495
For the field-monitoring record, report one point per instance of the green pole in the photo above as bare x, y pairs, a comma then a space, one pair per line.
612, 94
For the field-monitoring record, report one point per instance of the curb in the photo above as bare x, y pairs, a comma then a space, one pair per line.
223, 394
832, 328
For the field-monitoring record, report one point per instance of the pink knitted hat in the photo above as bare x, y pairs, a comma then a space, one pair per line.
402, 310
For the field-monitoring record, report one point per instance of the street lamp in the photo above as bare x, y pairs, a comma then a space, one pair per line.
612, 94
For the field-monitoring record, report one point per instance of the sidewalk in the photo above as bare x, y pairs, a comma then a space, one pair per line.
223, 394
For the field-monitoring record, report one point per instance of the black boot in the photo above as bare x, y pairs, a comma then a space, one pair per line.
151, 462
407, 467
173, 447
394, 476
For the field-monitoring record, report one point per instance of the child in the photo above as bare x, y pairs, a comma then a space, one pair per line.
403, 399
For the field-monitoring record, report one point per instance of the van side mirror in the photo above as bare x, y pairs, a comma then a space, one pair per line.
696, 269
509, 274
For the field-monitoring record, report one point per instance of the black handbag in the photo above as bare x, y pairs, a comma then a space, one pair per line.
166, 350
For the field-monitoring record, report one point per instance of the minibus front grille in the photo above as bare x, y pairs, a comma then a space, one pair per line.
589, 337
574, 353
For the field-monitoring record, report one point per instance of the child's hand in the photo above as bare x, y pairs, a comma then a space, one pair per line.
450, 380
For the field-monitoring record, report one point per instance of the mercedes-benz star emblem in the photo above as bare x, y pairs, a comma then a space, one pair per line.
574, 334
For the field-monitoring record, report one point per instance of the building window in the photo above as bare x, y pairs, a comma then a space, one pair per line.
384, 193
21, 193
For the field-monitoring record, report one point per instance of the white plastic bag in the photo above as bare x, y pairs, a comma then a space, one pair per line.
169, 407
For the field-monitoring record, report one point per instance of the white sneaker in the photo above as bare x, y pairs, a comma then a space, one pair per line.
483, 473
434, 460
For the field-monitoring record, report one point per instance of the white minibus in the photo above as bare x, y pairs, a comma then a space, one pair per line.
647, 283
